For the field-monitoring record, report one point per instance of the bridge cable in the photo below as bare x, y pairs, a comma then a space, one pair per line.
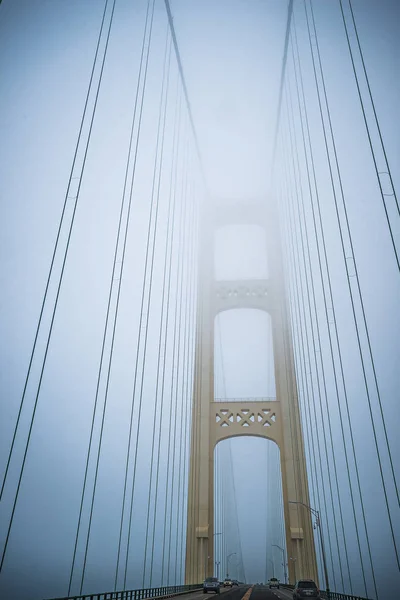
176, 480
373, 105
222, 468
303, 297
324, 294
299, 472
291, 385
181, 471
299, 352
282, 83
105, 330
158, 409
185, 91
58, 292
359, 293
239, 542
197, 391
230, 461
310, 293
190, 363
146, 294
177, 346
299, 468
334, 321
115, 319
143, 67
56, 244
314, 319
327, 316
173, 185
165, 302
378, 173
345, 450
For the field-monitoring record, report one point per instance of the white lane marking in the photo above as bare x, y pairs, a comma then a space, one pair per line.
284, 592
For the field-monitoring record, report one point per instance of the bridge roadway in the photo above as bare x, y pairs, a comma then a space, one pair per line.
246, 592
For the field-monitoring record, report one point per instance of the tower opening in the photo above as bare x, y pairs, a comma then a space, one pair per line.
249, 524
243, 355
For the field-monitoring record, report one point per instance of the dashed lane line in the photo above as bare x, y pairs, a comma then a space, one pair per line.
286, 594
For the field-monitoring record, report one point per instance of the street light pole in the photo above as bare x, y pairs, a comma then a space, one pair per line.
273, 567
227, 562
318, 524
217, 563
283, 558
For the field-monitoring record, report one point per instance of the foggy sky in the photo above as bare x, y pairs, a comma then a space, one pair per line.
231, 53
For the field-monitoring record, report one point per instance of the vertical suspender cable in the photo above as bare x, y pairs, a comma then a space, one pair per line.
190, 361
176, 344
299, 352
189, 244
315, 309
115, 322
117, 243
182, 356
173, 186
359, 295
294, 150
58, 294
146, 295
328, 297
56, 244
157, 409
163, 337
374, 158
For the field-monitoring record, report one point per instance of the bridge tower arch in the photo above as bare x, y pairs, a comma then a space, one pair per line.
277, 420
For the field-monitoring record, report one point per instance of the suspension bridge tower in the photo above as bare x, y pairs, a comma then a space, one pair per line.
277, 420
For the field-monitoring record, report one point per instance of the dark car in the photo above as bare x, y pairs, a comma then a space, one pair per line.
305, 588
211, 584
235, 582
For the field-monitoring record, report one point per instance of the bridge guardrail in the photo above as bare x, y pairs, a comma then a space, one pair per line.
331, 595
143, 594
339, 596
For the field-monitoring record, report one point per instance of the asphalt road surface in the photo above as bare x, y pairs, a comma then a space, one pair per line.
262, 592
247, 592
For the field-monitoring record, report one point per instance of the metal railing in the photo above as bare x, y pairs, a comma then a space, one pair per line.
158, 592
330, 595
339, 596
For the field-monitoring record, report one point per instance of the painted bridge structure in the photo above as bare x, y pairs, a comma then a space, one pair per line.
277, 420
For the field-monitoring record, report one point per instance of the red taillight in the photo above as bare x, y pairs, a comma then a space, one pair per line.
298, 591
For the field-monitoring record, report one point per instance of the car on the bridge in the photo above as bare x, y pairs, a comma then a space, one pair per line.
273, 582
228, 582
305, 588
211, 584
235, 582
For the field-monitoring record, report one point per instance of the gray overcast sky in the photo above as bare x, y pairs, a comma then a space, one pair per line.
231, 52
